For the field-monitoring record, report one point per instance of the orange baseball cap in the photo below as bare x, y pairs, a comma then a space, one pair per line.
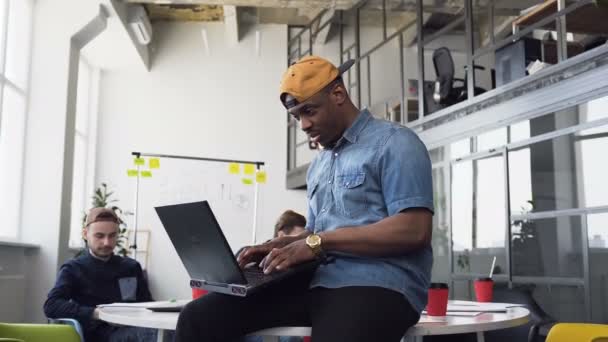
306, 77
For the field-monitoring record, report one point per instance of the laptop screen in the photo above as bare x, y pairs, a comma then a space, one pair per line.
200, 243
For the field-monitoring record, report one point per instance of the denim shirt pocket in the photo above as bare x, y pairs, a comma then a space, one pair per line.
351, 193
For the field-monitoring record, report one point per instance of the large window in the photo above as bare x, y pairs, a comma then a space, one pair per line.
15, 41
84, 148
533, 195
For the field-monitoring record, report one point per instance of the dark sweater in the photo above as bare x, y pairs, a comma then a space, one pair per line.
86, 282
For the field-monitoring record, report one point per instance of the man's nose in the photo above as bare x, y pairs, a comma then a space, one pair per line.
305, 124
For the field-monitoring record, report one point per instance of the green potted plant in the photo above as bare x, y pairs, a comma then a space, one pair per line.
463, 261
103, 198
525, 248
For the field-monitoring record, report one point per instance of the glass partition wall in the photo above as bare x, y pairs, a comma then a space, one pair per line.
534, 195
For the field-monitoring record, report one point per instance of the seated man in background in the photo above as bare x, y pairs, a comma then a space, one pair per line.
289, 223
96, 277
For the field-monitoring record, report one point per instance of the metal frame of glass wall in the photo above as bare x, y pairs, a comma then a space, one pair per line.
509, 277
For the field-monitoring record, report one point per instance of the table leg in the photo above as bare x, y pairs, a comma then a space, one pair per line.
480, 336
160, 336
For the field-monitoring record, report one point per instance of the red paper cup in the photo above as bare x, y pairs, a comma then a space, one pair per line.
484, 289
437, 299
196, 293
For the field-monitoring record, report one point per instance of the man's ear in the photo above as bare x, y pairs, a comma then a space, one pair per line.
338, 93
84, 233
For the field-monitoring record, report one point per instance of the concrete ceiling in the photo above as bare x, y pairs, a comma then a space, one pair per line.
313, 4
301, 12
252, 15
185, 12
449, 6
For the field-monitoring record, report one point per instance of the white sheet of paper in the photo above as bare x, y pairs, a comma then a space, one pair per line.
144, 305
456, 313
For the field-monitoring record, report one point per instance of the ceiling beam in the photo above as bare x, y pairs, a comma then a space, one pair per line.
232, 23
312, 4
452, 6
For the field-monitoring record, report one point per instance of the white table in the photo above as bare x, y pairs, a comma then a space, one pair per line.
164, 321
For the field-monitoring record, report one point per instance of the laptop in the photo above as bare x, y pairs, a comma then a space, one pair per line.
206, 255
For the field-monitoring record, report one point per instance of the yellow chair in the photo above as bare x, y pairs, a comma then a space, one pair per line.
38, 333
578, 332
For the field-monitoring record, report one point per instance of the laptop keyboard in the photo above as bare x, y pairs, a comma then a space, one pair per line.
256, 276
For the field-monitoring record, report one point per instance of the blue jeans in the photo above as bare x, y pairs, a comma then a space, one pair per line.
133, 334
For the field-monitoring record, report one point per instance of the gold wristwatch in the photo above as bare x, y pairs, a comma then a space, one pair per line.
314, 242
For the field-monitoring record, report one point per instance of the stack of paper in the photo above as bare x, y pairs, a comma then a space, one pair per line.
145, 305
142, 305
468, 309
457, 313
465, 306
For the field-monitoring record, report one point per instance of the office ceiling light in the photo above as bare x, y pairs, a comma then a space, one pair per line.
258, 38
205, 42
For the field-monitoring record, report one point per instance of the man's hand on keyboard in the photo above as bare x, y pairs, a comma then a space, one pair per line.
280, 259
258, 252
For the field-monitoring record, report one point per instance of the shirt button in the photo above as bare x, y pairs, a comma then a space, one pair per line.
323, 210
336, 154
329, 181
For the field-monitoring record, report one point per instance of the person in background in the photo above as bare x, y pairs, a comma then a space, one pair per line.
289, 223
99, 276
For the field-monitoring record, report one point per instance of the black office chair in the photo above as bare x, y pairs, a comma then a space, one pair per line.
446, 93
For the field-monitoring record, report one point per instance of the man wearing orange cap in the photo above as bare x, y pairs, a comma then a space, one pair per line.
370, 207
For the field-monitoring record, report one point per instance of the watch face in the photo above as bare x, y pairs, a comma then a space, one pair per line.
313, 240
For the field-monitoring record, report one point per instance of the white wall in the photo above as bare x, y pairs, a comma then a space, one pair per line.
53, 26
223, 104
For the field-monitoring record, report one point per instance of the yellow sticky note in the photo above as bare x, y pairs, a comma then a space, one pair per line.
234, 168
132, 173
260, 177
249, 169
247, 181
139, 161
146, 174
154, 163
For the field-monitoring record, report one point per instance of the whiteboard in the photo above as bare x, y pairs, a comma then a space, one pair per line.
182, 181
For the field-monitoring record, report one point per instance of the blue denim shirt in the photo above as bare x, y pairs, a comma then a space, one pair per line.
376, 169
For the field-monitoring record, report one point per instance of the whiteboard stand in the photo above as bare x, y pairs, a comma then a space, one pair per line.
257, 164
134, 245
255, 208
